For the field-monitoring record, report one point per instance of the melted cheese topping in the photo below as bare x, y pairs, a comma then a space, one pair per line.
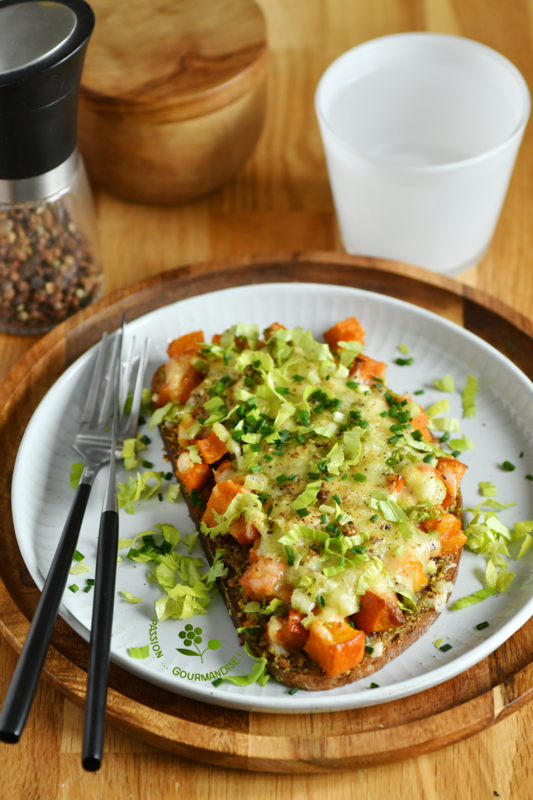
292, 416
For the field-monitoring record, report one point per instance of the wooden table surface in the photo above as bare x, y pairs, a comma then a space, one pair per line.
281, 201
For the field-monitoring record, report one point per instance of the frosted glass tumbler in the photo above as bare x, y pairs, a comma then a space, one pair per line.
421, 132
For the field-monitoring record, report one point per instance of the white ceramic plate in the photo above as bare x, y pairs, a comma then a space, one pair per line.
502, 429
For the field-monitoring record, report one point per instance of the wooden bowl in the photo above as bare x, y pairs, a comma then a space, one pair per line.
173, 95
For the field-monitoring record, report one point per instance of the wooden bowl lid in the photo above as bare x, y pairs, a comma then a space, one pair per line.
188, 55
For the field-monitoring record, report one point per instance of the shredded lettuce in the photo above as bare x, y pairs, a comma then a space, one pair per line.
130, 597
298, 532
497, 574
461, 444
349, 352
134, 490
247, 503
194, 454
335, 459
129, 451
446, 384
389, 507
139, 652
75, 474
78, 569
526, 544
173, 492
445, 424
469, 397
472, 599
437, 408
308, 496
160, 415
258, 674
487, 489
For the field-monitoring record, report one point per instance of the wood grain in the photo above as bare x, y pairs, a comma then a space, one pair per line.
283, 192
461, 707
172, 99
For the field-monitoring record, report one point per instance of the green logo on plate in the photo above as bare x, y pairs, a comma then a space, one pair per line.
192, 636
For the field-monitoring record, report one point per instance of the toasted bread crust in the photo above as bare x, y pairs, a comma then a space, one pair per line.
297, 669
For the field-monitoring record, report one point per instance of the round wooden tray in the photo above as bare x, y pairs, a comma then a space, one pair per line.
473, 701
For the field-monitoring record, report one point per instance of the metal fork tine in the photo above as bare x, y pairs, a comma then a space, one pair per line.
131, 426
104, 411
95, 382
125, 381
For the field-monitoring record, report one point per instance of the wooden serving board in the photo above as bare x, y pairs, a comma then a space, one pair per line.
475, 700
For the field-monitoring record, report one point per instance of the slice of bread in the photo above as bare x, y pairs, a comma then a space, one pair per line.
297, 669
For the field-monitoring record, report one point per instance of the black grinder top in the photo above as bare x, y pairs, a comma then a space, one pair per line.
42, 50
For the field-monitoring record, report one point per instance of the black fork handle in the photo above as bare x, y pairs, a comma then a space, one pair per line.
24, 682
100, 649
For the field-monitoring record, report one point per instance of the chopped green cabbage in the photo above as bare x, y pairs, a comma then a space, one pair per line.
437, 408
139, 652
308, 496
258, 674
487, 489
446, 384
130, 493
130, 597
472, 599
461, 444
469, 397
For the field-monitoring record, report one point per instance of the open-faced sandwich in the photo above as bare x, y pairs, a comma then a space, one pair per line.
338, 512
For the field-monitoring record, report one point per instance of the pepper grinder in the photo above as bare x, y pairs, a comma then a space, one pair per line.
49, 266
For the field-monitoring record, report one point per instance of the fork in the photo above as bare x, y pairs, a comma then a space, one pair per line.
94, 444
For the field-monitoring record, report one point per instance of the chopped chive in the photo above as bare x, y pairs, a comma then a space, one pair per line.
218, 682
352, 384
374, 518
168, 476
293, 477
445, 437
314, 475
404, 362
90, 581
304, 417
428, 459
420, 391
456, 453
248, 382
344, 476
508, 467
281, 478
445, 648
256, 448
417, 435
277, 452
363, 423
141, 420
337, 498
268, 458
395, 438
300, 439
320, 600
160, 497
384, 414
360, 477
88, 588
374, 685
78, 556
297, 378
145, 439
290, 555
482, 625
369, 649
74, 588
256, 468
293, 690
323, 519
195, 499
529, 477
284, 435
147, 464
390, 461
302, 512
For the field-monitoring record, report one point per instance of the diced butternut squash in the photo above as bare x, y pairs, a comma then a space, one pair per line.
335, 646
265, 578
395, 483
212, 448
348, 330
274, 327
292, 634
181, 379
185, 343
451, 536
452, 472
420, 423
244, 532
221, 496
410, 567
365, 369
378, 613
226, 472
194, 476
216, 338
